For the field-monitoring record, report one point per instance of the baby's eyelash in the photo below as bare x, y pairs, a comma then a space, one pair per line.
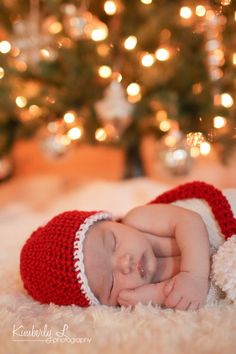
114, 248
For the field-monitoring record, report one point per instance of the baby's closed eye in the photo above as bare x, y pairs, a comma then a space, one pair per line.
113, 244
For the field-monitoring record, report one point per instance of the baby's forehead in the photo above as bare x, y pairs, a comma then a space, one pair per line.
95, 235
102, 227
99, 238
102, 232
96, 248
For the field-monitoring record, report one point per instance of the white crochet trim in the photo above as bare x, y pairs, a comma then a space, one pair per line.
79, 256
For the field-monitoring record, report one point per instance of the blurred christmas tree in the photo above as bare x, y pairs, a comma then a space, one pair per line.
111, 71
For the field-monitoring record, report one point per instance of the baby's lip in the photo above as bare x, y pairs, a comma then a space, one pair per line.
141, 267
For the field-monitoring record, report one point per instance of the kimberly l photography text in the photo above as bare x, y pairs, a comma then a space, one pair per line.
46, 334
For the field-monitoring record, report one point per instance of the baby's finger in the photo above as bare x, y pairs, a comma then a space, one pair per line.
127, 297
169, 286
183, 304
123, 303
173, 299
193, 306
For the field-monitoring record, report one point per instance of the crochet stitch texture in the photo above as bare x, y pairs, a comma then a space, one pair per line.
47, 264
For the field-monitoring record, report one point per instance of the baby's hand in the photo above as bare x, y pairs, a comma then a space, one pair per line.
144, 294
186, 291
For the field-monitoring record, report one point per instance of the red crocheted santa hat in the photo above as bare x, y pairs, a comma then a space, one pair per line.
51, 261
220, 206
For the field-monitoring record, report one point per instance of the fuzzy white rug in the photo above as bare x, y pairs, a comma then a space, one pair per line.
28, 327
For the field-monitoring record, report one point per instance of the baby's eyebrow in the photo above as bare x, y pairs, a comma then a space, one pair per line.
106, 237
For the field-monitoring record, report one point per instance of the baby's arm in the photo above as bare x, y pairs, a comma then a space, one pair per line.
189, 287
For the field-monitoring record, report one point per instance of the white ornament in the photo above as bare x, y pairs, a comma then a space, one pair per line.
80, 24
54, 145
31, 41
75, 21
114, 107
175, 153
224, 268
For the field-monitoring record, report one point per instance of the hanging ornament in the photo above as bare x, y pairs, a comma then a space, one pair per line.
76, 21
59, 136
55, 145
114, 111
6, 168
33, 43
79, 23
53, 139
175, 153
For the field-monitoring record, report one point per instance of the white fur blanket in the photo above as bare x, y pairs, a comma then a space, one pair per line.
27, 327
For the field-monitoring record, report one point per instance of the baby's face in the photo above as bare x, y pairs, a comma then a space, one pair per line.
117, 257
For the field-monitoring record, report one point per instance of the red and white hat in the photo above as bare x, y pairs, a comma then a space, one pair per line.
51, 261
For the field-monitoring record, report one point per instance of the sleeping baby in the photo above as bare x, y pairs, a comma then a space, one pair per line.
160, 253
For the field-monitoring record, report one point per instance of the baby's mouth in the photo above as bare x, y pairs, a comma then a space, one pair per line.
141, 267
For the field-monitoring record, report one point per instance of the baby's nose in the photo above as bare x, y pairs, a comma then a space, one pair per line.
124, 263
